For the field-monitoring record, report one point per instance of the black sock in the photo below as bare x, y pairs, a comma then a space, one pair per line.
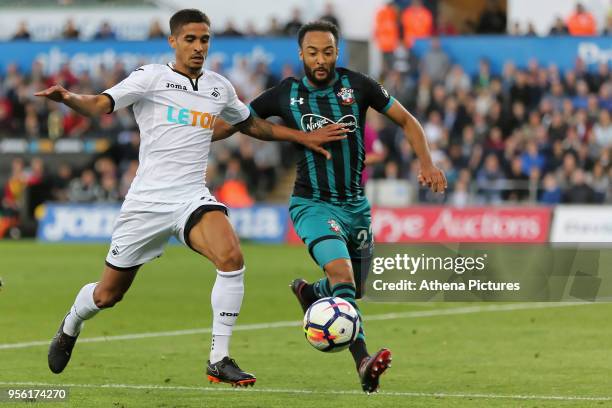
308, 293
359, 351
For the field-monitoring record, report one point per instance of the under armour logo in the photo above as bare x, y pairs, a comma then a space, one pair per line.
216, 92
296, 100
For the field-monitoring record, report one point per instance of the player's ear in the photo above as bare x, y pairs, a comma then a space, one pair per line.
301, 54
172, 41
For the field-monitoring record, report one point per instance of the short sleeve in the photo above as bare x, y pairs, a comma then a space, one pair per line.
377, 96
130, 90
266, 104
234, 111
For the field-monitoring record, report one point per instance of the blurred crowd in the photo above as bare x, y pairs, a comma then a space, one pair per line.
524, 134
527, 135
274, 28
399, 23
533, 134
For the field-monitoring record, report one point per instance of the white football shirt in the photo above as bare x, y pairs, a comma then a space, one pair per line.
175, 115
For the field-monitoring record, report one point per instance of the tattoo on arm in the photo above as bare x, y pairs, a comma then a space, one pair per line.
258, 128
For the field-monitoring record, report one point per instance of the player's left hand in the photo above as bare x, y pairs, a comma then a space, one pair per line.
432, 177
316, 139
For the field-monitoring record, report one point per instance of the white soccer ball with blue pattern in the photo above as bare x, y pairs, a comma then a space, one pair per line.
331, 324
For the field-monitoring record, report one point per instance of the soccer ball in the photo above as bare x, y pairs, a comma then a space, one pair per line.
331, 324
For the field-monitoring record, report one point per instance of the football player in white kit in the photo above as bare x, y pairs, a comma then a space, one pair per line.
175, 106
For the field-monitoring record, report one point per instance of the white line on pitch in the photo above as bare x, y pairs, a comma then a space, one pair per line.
293, 323
314, 392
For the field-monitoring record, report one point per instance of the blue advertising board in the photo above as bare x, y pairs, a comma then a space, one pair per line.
94, 222
88, 55
561, 51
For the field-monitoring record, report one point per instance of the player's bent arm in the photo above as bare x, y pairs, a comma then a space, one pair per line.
264, 130
222, 130
88, 105
430, 174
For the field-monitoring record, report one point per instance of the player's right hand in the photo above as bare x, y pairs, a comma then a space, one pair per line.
56, 93
316, 139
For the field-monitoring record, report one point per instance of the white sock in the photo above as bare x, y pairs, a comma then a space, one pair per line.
226, 299
84, 308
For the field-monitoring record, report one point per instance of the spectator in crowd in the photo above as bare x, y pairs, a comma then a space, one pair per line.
579, 192
386, 33
607, 30
532, 158
234, 190
85, 189
293, 25
435, 63
109, 190
551, 193
15, 187
417, 22
515, 29
581, 22
274, 28
330, 15
400, 88
230, 30
105, 32
60, 183
70, 31
517, 188
559, 28
250, 30
483, 77
492, 20
22, 32
406, 63
600, 182
155, 31
457, 80
531, 31
489, 179
602, 131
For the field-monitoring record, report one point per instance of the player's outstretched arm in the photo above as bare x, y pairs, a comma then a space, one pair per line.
264, 130
429, 175
88, 105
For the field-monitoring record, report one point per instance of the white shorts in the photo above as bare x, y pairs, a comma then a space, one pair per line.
143, 228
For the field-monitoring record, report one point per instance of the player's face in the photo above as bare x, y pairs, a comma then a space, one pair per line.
191, 46
319, 53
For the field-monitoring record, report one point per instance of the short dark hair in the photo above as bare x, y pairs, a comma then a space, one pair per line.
186, 16
319, 25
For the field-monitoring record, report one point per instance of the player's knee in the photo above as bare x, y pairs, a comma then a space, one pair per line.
106, 298
230, 260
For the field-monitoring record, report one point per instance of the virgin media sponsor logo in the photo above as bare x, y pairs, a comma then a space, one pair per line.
443, 224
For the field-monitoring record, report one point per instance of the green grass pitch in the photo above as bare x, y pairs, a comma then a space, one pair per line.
444, 354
